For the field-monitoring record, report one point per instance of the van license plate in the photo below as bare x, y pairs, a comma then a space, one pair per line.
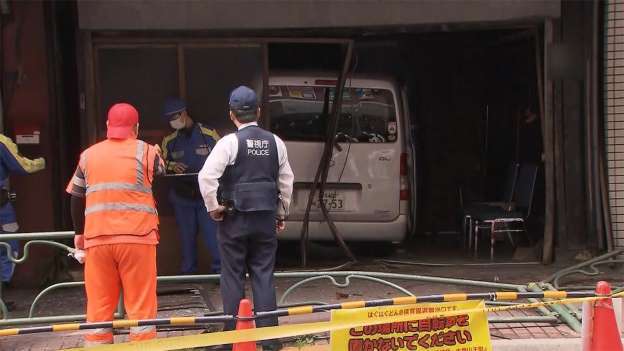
334, 201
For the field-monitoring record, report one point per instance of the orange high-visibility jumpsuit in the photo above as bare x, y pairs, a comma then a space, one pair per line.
121, 232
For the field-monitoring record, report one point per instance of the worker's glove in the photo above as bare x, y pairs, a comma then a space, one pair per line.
40, 163
78, 251
79, 255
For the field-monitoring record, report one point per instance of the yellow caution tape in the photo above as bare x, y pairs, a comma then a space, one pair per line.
9, 332
182, 320
235, 336
65, 327
124, 323
404, 300
354, 304
284, 331
555, 294
293, 311
507, 295
455, 297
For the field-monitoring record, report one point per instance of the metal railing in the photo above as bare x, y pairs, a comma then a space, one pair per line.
549, 314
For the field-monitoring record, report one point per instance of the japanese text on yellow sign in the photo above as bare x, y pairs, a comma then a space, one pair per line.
452, 331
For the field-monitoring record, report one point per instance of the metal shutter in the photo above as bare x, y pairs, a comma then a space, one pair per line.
614, 109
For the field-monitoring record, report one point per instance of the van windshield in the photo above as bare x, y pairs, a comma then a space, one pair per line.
367, 115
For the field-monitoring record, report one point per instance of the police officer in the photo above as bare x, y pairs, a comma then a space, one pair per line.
250, 170
11, 162
185, 152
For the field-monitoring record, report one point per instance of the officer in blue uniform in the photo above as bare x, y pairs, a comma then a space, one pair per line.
185, 152
11, 162
251, 172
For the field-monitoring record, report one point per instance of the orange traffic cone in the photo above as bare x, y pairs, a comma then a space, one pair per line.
244, 311
604, 334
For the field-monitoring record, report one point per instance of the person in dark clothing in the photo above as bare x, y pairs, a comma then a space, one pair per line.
529, 138
185, 152
251, 172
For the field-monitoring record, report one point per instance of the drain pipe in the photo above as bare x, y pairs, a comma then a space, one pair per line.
602, 176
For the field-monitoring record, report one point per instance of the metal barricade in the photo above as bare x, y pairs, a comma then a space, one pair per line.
46, 238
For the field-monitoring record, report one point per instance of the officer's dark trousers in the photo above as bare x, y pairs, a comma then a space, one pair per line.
248, 243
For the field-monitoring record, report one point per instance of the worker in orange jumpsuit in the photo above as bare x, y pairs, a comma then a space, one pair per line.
116, 224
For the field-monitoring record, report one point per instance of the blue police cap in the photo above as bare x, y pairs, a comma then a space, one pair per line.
243, 98
172, 106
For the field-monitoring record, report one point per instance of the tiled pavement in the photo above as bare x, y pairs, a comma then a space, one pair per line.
45, 342
529, 330
331, 294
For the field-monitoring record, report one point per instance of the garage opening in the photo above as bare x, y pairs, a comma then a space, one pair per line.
473, 124
475, 105
439, 119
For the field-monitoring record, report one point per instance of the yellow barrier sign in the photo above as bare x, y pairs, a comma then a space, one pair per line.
460, 332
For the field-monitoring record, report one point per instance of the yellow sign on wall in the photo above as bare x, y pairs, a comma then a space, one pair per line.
443, 328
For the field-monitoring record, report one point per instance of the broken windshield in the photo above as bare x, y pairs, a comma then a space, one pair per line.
367, 115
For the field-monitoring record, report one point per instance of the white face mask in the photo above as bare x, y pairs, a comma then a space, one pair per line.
177, 123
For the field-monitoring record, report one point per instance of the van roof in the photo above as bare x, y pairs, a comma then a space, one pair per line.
308, 78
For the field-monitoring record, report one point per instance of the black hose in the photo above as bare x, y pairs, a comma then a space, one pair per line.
306, 218
329, 148
323, 169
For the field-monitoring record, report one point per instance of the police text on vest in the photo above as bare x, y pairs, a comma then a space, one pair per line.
256, 147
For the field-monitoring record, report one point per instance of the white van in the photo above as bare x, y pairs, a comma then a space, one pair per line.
367, 191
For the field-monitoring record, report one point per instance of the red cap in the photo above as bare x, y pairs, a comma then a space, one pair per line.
122, 118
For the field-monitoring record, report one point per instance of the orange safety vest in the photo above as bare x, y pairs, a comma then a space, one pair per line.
119, 200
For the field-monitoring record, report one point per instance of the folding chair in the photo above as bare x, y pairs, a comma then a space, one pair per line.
473, 209
493, 218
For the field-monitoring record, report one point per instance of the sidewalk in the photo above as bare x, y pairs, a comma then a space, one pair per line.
44, 342
497, 345
505, 336
512, 336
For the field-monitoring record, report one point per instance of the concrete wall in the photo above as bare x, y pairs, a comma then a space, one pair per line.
575, 37
267, 14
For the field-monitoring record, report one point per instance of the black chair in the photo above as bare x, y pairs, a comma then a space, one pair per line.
501, 220
473, 209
